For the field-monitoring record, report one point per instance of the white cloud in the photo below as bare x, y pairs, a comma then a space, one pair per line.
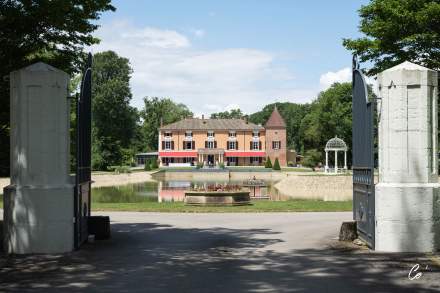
329, 78
165, 64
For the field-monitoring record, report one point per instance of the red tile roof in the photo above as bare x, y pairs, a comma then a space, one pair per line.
275, 120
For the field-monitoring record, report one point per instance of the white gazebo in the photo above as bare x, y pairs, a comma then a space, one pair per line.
337, 145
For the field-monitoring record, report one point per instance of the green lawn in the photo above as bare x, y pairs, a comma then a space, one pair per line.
258, 206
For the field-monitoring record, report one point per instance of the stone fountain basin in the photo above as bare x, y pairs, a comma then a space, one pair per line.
217, 198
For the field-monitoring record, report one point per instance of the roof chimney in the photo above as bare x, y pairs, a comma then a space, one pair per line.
203, 116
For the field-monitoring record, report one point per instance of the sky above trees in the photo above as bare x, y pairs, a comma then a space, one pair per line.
220, 55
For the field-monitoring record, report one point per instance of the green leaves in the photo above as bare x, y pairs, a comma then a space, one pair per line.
398, 31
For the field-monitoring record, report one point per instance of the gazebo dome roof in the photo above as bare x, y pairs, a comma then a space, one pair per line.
336, 144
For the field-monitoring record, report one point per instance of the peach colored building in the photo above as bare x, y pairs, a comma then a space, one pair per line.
233, 142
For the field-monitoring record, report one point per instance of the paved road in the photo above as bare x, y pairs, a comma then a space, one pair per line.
276, 252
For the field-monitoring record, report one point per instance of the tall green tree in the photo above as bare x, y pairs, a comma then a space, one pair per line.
329, 116
232, 114
157, 110
54, 32
292, 114
113, 120
397, 31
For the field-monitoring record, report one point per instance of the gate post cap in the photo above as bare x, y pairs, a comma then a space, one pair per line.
407, 73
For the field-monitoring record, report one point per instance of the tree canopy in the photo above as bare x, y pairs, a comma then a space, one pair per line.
232, 114
113, 119
157, 110
397, 31
54, 32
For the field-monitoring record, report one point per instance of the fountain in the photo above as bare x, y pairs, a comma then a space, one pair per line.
217, 195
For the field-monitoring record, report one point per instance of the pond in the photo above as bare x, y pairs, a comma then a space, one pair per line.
169, 191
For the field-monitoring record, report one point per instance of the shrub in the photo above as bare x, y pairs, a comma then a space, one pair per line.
122, 169
268, 163
290, 164
221, 165
147, 165
199, 165
312, 158
154, 164
276, 165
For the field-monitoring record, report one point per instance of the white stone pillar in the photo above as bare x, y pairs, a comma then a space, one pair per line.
326, 162
407, 209
38, 205
336, 162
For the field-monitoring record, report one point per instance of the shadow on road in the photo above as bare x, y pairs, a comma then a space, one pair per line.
150, 257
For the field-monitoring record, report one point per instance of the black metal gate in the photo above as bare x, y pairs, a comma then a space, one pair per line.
83, 156
363, 157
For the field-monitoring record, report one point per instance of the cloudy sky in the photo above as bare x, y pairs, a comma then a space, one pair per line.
220, 55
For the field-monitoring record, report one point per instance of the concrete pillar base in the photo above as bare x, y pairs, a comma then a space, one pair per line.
38, 219
407, 217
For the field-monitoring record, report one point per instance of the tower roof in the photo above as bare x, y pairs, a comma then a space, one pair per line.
275, 120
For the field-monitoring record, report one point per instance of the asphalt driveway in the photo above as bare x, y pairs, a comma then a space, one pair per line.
267, 252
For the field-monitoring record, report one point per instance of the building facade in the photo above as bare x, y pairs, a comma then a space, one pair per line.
232, 142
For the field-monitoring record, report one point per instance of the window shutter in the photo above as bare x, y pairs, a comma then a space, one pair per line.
184, 145
227, 145
215, 144
172, 145
163, 145
273, 145
259, 145
280, 144
236, 145
193, 145
250, 145
206, 144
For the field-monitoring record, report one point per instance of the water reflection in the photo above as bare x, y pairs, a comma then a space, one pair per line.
169, 191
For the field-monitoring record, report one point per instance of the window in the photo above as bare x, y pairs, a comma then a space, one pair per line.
188, 134
168, 134
255, 145
210, 144
188, 145
232, 161
232, 134
255, 160
232, 145
168, 145
276, 145
211, 133
256, 133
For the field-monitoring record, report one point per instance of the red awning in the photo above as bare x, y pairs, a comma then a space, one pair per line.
178, 154
245, 154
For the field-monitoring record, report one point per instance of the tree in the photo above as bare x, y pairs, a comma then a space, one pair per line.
292, 114
233, 114
397, 31
157, 110
276, 165
54, 32
113, 119
330, 115
268, 163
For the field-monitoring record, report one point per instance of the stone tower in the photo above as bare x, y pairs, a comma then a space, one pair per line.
276, 138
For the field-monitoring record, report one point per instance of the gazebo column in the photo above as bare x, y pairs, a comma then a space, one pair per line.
345, 160
336, 162
326, 162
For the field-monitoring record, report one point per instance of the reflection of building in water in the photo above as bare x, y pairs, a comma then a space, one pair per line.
172, 191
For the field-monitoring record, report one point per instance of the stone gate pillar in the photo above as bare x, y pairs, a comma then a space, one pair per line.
407, 195
38, 205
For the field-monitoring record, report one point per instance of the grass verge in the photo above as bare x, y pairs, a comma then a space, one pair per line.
257, 207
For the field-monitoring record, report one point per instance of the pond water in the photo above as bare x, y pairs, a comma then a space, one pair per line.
168, 191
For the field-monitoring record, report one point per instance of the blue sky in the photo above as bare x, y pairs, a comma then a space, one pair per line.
218, 55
